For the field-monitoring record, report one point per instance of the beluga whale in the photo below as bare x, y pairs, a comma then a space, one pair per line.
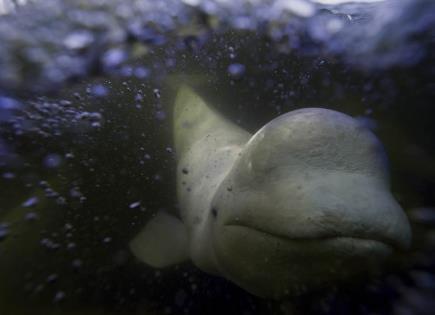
303, 203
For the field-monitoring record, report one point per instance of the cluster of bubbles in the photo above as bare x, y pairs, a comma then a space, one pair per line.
49, 118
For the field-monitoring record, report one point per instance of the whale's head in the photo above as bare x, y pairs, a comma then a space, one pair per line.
306, 203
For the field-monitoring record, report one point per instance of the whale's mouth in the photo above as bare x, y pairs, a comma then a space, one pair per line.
274, 265
348, 243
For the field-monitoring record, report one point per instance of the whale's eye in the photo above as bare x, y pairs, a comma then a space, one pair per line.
214, 212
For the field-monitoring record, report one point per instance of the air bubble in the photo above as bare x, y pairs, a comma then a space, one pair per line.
71, 246
4, 231
52, 278
156, 93
134, 205
141, 72
52, 161
76, 263
31, 216
32, 201
8, 175
114, 57
160, 115
192, 3
59, 297
78, 40
236, 69
99, 90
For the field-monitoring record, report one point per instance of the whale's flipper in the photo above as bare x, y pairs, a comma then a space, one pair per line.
195, 120
162, 242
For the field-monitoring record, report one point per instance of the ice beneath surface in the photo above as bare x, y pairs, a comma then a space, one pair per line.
47, 43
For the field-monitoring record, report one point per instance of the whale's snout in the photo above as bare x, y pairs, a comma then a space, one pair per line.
309, 204
325, 207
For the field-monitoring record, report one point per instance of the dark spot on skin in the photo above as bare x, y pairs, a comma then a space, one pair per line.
183, 183
188, 189
230, 188
197, 220
185, 171
187, 124
214, 212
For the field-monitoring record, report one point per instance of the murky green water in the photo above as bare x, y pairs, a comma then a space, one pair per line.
86, 163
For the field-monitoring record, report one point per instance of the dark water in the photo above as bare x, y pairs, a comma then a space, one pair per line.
86, 152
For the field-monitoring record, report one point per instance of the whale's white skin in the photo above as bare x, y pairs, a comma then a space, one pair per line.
303, 202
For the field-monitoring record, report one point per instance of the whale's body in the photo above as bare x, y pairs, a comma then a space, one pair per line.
302, 203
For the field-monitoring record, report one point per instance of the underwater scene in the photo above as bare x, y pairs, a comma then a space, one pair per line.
217, 157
